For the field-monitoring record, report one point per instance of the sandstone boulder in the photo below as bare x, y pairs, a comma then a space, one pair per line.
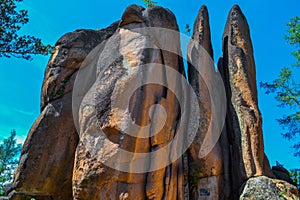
69, 53
108, 164
265, 188
260, 188
119, 121
47, 159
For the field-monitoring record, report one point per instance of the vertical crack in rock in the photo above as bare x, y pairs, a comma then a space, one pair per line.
86, 145
244, 121
46, 165
204, 173
97, 176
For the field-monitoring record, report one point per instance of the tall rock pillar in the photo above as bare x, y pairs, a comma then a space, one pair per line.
205, 172
109, 162
244, 121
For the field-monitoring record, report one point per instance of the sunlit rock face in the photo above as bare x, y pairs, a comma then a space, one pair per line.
121, 120
244, 122
130, 55
207, 170
47, 159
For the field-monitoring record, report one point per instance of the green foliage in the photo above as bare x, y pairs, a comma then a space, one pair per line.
293, 37
149, 3
194, 174
295, 176
282, 194
286, 87
11, 44
9, 151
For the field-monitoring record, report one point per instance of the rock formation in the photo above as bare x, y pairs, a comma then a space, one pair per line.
242, 137
207, 170
126, 61
270, 189
47, 158
119, 122
244, 122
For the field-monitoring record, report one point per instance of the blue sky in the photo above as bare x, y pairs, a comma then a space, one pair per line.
21, 81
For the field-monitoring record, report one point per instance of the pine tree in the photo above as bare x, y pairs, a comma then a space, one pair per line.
149, 3
11, 43
286, 88
9, 152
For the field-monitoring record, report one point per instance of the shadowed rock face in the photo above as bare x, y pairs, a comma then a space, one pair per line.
244, 121
47, 159
207, 170
84, 146
69, 52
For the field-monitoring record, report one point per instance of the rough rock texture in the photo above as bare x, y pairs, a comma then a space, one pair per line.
200, 53
286, 190
260, 188
270, 189
48, 152
85, 145
70, 51
122, 61
47, 159
243, 122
